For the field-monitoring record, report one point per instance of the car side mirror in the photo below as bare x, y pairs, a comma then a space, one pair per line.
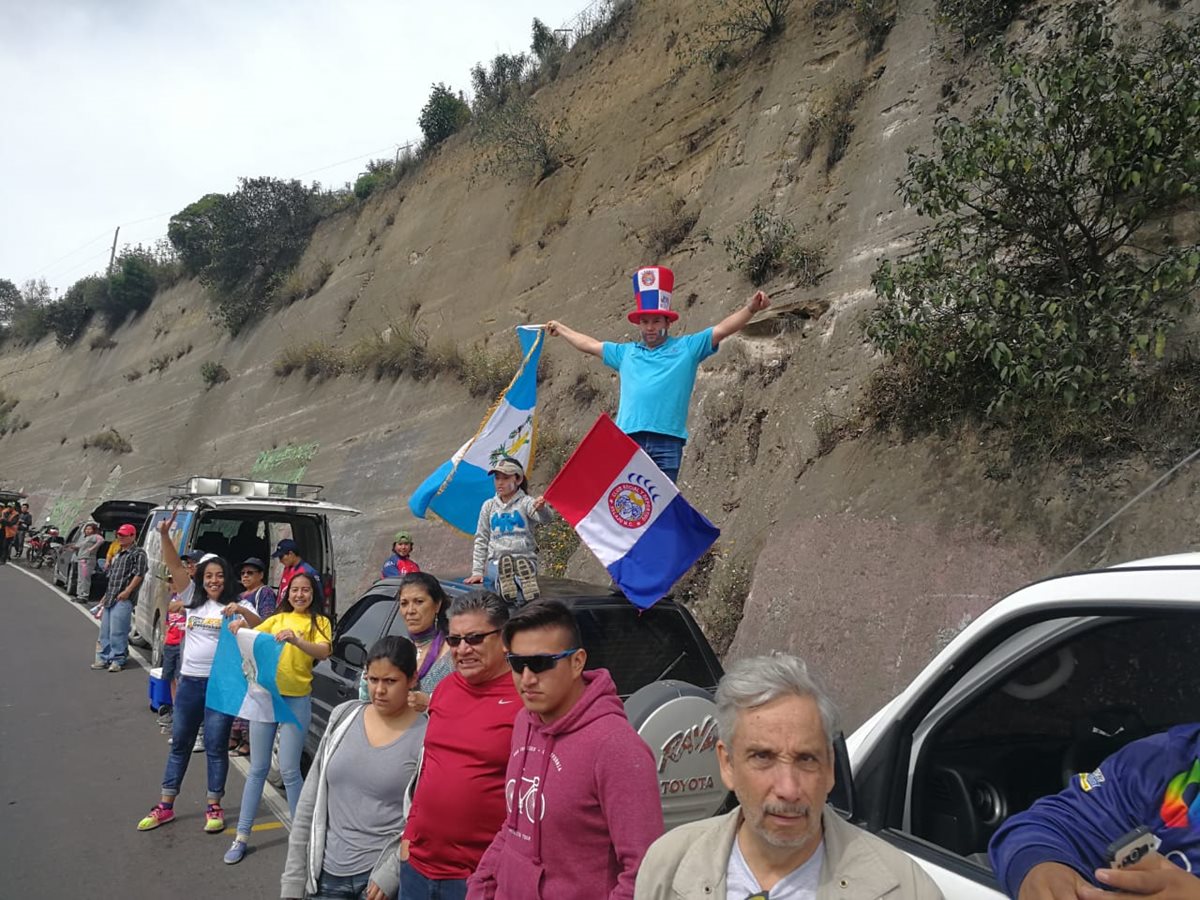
842, 796
351, 651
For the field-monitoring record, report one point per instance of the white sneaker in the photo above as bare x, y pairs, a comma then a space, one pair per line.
198, 747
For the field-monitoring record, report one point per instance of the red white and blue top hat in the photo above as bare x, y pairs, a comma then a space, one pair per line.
652, 290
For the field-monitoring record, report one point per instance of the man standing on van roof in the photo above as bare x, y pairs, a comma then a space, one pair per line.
582, 790
398, 563
287, 552
659, 373
125, 575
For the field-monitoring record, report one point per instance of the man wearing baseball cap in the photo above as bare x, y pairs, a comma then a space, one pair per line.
287, 552
125, 575
658, 373
399, 563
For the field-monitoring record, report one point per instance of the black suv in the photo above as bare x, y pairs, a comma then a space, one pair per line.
638, 647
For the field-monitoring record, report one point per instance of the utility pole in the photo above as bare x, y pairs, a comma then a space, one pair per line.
112, 256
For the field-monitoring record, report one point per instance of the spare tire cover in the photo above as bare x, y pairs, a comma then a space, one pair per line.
679, 722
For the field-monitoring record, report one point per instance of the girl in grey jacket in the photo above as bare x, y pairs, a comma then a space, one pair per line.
506, 552
346, 832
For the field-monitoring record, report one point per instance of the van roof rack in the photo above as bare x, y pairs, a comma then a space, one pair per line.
251, 488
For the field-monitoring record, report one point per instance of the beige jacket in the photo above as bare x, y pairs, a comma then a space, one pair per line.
690, 862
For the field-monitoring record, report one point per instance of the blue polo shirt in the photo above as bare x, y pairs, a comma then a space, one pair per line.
656, 385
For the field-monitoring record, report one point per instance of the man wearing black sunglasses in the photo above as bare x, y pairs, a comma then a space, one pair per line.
581, 790
459, 799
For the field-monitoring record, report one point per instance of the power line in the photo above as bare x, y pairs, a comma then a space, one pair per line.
65, 256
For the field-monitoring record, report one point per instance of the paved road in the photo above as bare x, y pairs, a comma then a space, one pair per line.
81, 761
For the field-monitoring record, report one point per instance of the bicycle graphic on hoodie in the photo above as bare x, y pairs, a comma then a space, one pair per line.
530, 797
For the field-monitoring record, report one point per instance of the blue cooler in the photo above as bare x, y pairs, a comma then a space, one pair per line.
160, 690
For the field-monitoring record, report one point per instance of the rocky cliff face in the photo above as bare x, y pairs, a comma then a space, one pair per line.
865, 559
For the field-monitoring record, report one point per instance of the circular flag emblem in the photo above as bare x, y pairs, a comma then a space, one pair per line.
648, 278
630, 505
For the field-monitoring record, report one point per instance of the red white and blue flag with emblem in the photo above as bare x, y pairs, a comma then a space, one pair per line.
629, 514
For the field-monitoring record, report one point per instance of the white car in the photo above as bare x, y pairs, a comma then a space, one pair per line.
1045, 684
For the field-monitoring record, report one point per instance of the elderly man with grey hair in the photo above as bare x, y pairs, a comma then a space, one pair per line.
776, 730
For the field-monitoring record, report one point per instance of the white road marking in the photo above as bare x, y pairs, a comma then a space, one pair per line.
272, 797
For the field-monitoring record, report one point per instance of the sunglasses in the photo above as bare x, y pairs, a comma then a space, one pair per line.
473, 640
537, 663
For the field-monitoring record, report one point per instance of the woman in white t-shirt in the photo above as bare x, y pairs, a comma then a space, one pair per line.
208, 598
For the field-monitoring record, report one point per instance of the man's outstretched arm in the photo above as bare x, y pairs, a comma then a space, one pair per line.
578, 340
735, 322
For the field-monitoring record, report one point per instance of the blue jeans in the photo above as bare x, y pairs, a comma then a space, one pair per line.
114, 632
262, 741
189, 712
415, 886
341, 887
666, 450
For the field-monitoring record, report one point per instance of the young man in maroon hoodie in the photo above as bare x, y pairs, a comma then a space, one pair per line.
459, 798
581, 789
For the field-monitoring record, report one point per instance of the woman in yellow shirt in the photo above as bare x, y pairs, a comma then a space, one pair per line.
299, 622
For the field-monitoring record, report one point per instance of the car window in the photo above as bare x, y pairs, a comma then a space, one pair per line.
1065, 708
639, 647
366, 619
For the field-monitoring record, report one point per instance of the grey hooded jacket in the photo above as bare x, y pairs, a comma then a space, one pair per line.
306, 844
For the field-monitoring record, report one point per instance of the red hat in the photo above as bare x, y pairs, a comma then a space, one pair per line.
127, 530
652, 291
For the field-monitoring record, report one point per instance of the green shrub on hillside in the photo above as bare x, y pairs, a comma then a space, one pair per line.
109, 440
213, 373
974, 21
765, 245
1038, 295
730, 28
873, 19
444, 114
518, 139
548, 49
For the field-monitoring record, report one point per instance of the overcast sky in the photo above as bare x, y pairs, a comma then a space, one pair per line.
122, 112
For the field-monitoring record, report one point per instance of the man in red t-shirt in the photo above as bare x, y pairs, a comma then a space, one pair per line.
459, 802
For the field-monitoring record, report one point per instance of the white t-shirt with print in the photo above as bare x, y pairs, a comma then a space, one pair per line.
201, 629
798, 884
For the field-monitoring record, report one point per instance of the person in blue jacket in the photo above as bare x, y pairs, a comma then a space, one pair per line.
1056, 848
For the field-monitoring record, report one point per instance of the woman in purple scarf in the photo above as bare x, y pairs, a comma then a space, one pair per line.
423, 608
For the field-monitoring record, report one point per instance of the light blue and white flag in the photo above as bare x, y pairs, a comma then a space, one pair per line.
457, 490
242, 681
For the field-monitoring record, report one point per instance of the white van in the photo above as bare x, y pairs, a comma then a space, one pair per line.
236, 518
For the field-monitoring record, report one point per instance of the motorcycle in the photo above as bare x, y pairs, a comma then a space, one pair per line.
44, 545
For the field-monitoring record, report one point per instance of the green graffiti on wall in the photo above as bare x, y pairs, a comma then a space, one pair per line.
287, 463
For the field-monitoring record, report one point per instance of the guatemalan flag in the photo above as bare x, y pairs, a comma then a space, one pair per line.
242, 680
629, 514
457, 490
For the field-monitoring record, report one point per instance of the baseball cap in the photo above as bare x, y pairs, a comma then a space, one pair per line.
127, 530
255, 563
287, 545
402, 537
189, 557
508, 466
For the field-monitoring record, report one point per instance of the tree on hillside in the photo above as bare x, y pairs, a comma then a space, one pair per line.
548, 48
1039, 297
130, 289
191, 232
495, 85
10, 300
443, 114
